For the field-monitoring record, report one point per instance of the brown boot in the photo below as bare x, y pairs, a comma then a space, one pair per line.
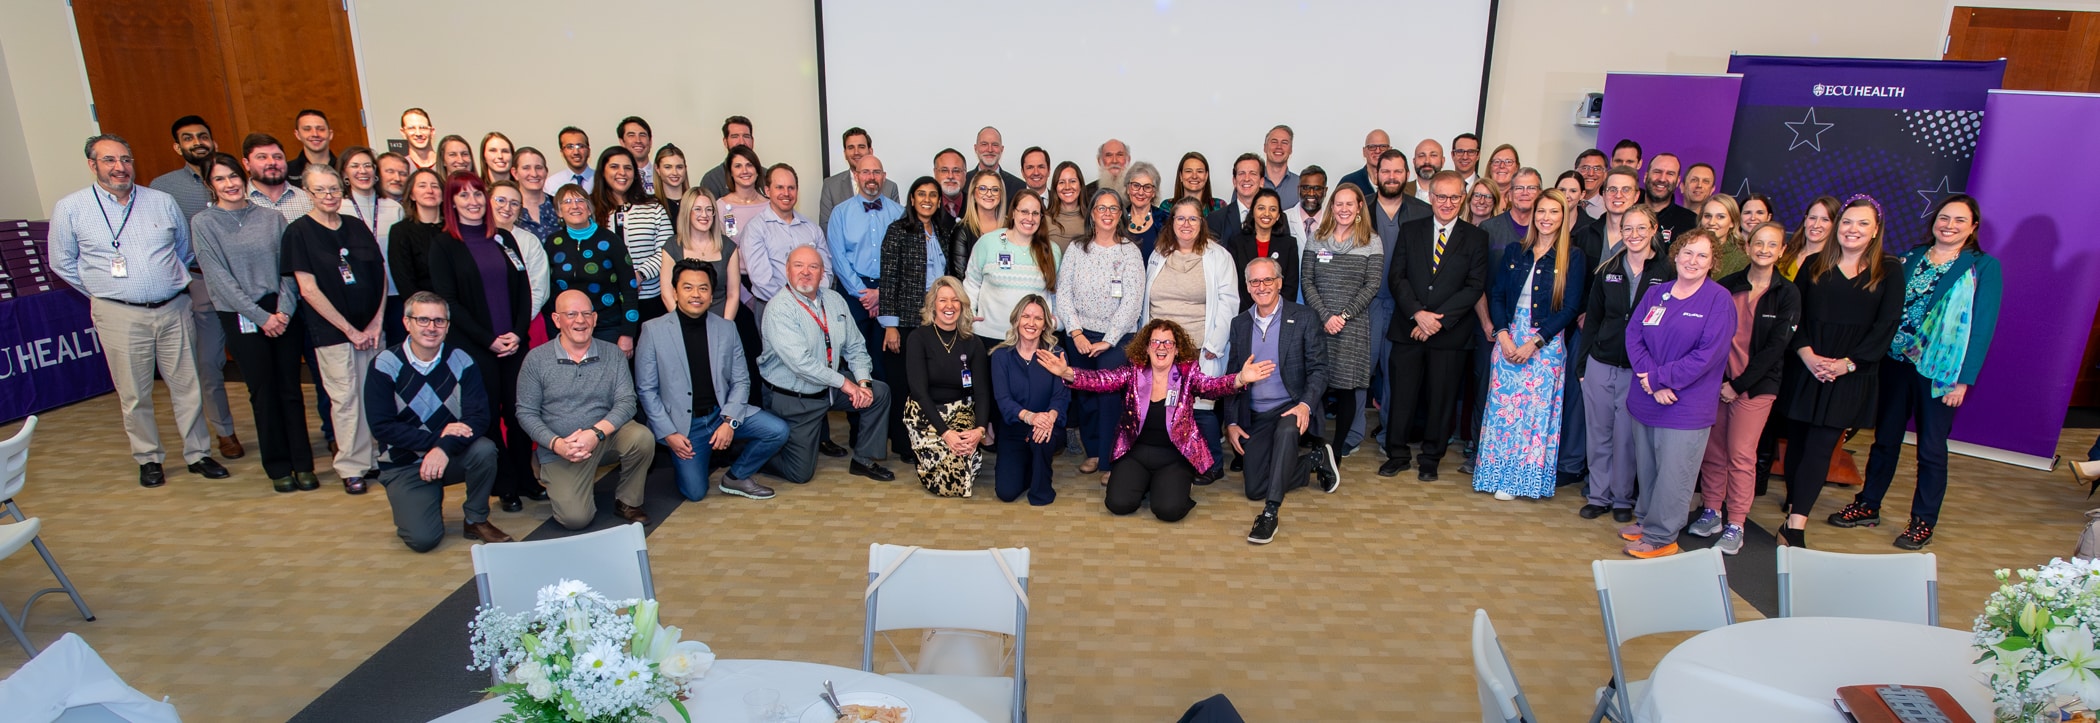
484, 532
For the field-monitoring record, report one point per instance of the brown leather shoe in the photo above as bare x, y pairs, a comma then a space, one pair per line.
631, 514
230, 447
485, 532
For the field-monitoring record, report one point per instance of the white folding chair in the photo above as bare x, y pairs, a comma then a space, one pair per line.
69, 683
1501, 699
614, 562
1686, 592
973, 590
14, 472
1903, 587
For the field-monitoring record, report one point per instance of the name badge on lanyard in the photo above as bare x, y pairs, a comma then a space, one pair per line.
1115, 288
965, 358
1173, 388
343, 267
1654, 317
1006, 262
515, 261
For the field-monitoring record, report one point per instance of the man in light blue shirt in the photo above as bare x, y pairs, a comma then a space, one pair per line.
856, 230
815, 362
128, 249
773, 233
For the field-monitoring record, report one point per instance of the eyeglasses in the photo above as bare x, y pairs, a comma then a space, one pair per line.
1514, 189
1376, 148
1271, 281
1162, 343
326, 192
576, 201
1444, 198
1465, 151
1502, 163
429, 322
1146, 187
1029, 213
1483, 197
1108, 209
572, 315
987, 189
576, 146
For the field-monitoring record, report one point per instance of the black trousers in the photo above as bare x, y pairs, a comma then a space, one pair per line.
1024, 464
1275, 463
1423, 376
1808, 450
1159, 472
889, 366
270, 365
499, 375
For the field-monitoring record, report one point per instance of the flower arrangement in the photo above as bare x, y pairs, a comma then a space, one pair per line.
577, 657
2036, 640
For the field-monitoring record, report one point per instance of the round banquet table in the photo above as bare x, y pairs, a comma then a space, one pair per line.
720, 695
1790, 669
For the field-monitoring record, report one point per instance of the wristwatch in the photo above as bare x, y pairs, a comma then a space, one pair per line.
734, 423
601, 435
1850, 367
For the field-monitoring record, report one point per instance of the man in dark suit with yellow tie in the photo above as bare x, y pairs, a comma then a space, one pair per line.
1438, 270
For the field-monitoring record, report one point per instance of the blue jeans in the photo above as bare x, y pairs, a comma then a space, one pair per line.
762, 433
1096, 414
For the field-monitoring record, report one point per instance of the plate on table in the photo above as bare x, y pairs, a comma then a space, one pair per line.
818, 712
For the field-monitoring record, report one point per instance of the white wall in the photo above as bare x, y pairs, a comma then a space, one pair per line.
44, 112
529, 67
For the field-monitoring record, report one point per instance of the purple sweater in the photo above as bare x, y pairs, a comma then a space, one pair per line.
1682, 345
494, 266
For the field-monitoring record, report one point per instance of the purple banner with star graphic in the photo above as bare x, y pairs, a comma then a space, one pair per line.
1902, 131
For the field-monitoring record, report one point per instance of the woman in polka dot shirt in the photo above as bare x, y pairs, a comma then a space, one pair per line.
584, 255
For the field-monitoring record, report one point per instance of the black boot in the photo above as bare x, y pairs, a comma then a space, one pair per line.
1793, 537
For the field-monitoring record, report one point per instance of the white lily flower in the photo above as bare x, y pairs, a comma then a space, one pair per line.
2079, 673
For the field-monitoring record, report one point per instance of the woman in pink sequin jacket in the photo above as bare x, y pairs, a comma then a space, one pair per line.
1158, 448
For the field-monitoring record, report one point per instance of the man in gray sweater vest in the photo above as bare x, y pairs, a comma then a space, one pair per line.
576, 400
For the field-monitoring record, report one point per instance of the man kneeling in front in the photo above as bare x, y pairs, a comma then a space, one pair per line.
576, 400
428, 412
689, 373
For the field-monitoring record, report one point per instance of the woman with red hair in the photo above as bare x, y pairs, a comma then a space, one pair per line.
478, 269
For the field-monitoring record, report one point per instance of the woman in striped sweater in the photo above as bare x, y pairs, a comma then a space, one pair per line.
638, 219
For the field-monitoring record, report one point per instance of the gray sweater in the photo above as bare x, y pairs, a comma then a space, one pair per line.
557, 396
238, 252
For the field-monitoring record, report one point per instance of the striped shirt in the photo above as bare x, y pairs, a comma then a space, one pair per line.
646, 227
293, 204
90, 229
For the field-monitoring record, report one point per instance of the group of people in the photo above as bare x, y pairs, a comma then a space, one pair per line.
1591, 330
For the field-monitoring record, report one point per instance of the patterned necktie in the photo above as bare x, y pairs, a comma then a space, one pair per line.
1310, 223
871, 206
1436, 255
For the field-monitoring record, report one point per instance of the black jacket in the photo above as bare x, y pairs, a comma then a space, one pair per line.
455, 278
1282, 247
1778, 314
408, 253
1450, 289
1608, 308
1301, 359
901, 292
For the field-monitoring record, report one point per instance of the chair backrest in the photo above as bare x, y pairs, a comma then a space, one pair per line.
70, 681
910, 587
1501, 699
1685, 592
14, 460
1903, 587
614, 562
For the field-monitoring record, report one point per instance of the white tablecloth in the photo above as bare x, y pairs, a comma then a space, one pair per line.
720, 697
1790, 669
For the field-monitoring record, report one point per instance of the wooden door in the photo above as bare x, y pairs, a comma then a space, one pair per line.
245, 66
2050, 50
148, 64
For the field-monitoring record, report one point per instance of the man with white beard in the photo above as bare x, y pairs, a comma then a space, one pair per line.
948, 170
809, 337
1110, 161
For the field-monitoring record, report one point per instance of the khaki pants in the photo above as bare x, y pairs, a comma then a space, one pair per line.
138, 341
343, 368
569, 483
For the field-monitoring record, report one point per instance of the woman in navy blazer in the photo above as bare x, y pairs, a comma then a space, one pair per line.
1032, 404
1951, 292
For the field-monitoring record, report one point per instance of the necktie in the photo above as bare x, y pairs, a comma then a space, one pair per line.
1310, 223
1436, 255
871, 206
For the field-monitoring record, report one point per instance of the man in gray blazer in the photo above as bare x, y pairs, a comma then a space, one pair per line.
693, 418
1269, 420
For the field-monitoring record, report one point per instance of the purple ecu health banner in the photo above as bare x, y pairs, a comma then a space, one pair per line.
1688, 115
49, 354
1902, 131
2039, 226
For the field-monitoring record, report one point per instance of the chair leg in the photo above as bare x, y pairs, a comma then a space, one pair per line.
1604, 702
16, 628
65, 583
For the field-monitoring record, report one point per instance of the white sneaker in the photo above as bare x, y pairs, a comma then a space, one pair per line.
1504, 496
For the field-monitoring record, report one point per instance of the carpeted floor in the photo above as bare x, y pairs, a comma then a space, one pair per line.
247, 605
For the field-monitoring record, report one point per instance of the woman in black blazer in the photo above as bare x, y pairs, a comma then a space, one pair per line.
489, 323
1265, 230
913, 241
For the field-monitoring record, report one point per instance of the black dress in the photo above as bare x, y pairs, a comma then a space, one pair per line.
1843, 319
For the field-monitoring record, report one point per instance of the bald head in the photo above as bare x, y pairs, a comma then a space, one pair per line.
1376, 143
805, 270
1429, 158
868, 176
574, 318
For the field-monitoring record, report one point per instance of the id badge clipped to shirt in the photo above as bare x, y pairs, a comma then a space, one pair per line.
343, 267
729, 226
1326, 256
1006, 262
1115, 288
1654, 316
116, 268
965, 369
515, 261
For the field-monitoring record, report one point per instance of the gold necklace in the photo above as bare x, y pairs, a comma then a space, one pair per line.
947, 345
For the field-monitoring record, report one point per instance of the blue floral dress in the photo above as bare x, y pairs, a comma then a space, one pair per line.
1520, 434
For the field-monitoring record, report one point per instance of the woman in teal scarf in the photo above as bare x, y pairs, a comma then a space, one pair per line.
1950, 308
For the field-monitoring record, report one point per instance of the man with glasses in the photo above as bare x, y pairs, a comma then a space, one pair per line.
1429, 158
576, 160
990, 147
1246, 179
1276, 165
842, 186
1662, 199
128, 250
1622, 189
1438, 277
1304, 218
948, 171
855, 239
429, 413
311, 128
1271, 422
736, 131
1376, 143
576, 400
1591, 166
1465, 157
418, 131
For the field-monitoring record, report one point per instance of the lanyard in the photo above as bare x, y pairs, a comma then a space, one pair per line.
371, 221
116, 231
819, 318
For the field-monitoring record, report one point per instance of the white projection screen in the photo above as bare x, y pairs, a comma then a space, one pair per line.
1164, 76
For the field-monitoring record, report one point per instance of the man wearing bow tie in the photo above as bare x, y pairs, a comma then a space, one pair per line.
1270, 421
854, 232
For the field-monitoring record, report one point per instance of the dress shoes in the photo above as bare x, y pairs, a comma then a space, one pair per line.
511, 503
230, 447
1393, 467
1591, 512
354, 485
484, 532
210, 468
150, 475
304, 481
282, 484
871, 471
829, 448
630, 513
1426, 474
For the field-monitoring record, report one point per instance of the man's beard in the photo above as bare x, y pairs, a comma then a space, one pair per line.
1311, 206
198, 155
951, 194
1112, 180
1389, 191
1425, 171
271, 177
809, 291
